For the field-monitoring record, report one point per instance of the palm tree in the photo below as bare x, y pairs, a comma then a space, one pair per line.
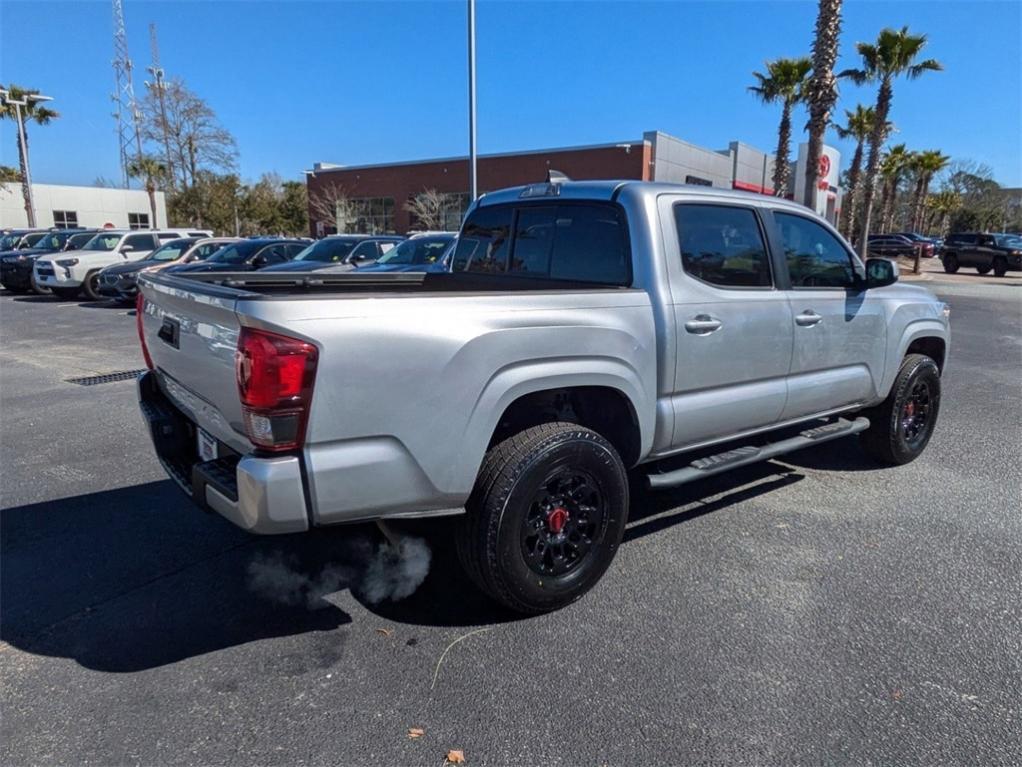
821, 92
893, 54
892, 168
944, 203
32, 112
858, 125
926, 165
151, 170
784, 81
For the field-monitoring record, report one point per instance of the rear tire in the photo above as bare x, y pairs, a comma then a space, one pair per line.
66, 293
901, 426
983, 269
91, 287
950, 263
545, 518
1000, 266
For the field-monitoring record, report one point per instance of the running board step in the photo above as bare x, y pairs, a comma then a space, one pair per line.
743, 456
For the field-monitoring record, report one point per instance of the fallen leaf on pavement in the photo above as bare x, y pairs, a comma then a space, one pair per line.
455, 757
385, 632
415, 732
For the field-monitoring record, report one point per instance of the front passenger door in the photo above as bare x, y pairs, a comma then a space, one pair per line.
840, 330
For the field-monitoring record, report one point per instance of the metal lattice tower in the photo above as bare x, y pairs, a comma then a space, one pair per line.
160, 84
129, 136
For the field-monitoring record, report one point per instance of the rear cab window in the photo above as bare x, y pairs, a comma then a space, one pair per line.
569, 241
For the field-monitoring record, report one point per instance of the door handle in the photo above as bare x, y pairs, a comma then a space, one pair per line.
808, 318
702, 324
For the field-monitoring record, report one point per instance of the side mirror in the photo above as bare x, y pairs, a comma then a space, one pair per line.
259, 262
880, 272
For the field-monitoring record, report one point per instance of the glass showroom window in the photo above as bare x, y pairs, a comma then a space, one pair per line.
373, 215
65, 219
138, 220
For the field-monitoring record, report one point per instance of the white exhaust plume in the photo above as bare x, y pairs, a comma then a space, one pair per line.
374, 572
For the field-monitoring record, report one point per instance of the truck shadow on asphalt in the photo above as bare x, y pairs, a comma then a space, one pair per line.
136, 578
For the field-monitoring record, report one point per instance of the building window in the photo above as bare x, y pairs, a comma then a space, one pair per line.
138, 220
698, 181
65, 219
371, 215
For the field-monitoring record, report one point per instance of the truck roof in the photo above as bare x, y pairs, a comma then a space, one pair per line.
609, 190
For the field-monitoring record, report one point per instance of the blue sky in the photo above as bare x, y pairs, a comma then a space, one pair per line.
358, 82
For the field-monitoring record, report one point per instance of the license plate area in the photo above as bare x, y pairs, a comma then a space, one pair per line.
206, 444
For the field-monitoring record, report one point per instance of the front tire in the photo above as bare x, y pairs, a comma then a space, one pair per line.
1000, 267
91, 287
66, 293
950, 263
39, 290
901, 425
545, 518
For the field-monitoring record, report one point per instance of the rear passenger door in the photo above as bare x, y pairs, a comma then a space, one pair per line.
839, 327
733, 326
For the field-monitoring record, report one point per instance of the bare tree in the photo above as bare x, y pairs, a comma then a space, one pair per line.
197, 141
331, 205
430, 208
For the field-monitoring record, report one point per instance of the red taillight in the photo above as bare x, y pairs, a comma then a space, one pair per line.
139, 314
275, 376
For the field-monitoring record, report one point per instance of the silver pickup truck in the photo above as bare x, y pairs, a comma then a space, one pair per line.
583, 330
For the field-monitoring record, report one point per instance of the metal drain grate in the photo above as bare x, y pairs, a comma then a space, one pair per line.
120, 375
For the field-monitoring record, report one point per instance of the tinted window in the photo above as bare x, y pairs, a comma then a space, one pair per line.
139, 242
722, 245
586, 243
420, 250
815, 257
365, 250
962, 239
77, 241
484, 242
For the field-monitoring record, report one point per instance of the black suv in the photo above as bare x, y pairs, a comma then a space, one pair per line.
1000, 252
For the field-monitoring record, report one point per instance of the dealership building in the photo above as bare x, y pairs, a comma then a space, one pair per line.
378, 194
80, 206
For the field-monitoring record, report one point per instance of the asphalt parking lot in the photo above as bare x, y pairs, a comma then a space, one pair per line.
811, 610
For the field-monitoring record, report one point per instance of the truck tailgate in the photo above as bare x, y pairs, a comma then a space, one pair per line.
192, 337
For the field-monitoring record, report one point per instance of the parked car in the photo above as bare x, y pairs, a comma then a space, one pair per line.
19, 239
118, 280
340, 250
999, 252
16, 268
69, 275
246, 255
416, 254
896, 245
586, 328
923, 240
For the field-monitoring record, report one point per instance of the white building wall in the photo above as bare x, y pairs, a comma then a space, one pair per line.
95, 206
828, 196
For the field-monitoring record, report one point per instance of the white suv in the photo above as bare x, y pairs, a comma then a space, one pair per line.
68, 273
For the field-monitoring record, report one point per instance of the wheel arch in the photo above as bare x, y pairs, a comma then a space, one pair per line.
602, 393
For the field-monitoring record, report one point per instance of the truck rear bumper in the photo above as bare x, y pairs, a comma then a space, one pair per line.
261, 495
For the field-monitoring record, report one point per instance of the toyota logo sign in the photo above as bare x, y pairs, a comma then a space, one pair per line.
824, 166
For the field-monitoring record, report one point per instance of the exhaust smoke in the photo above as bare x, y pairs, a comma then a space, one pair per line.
372, 571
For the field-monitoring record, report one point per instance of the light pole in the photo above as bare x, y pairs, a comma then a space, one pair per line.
23, 143
473, 180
